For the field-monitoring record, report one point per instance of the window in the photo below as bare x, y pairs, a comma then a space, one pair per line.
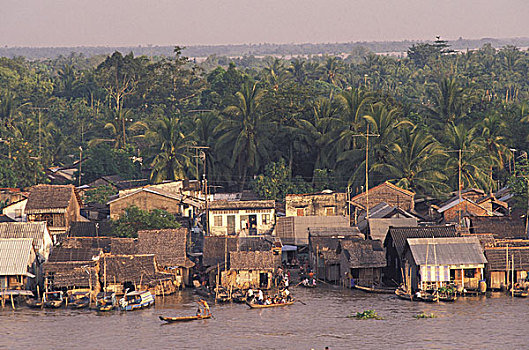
217, 220
329, 211
300, 211
265, 218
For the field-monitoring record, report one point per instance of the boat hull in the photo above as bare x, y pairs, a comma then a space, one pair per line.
374, 290
259, 306
184, 319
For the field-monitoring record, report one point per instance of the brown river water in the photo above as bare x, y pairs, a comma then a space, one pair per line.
494, 322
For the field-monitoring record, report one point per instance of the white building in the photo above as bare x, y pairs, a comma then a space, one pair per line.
244, 218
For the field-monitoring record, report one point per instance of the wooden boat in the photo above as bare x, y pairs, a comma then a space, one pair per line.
375, 290
427, 296
139, 299
106, 301
185, 318
78, 299
53, 300
403, 294
238, 296
447, 297
520, 293
35, 303
263, 306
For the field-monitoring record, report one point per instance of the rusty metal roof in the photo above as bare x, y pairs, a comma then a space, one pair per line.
15, 256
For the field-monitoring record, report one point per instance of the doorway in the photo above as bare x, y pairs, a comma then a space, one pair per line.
231, 224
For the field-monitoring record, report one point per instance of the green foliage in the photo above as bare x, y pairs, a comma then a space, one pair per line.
424, 315
366, 315
102, 160
99, 194
135, 219
276, 182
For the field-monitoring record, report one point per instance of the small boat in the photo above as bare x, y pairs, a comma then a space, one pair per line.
78, 299
53, 300
403, 293
106, 301
35, 303
375, 290
264, 306
306, 283
238, 296
428, 297
185, 318
221, 295
520, 293
136, 300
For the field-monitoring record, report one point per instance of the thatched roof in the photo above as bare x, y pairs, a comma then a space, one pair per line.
364, 253
114, 245
51, 198
215, 247
224, 204
132, 268
497, 258
72, 274
168, 245
254, 260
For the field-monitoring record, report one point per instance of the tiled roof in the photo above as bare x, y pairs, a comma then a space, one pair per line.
261, 204
384, 184
15, 255
501, 227
399, 235
446, 251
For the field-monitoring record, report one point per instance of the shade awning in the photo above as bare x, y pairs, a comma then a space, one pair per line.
289, 248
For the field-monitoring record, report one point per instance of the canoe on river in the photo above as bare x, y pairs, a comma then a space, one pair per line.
184, 319
375, 290
263, 306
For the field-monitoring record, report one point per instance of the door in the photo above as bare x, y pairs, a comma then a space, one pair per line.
263, 280
253, 224
231, 224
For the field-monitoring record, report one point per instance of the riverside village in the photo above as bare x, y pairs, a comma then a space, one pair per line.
59, 250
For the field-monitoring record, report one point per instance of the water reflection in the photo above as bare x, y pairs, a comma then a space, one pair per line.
493, 322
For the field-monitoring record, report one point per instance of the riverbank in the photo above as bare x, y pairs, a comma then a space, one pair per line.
488, 322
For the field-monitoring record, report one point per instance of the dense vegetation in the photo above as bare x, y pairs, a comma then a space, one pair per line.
299, 120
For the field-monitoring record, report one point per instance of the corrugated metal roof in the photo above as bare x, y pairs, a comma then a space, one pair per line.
446, 251
15, 255
35, 230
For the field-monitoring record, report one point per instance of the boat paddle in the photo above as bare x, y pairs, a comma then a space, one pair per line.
301, 302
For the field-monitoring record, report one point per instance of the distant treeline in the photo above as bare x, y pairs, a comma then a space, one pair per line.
251, 49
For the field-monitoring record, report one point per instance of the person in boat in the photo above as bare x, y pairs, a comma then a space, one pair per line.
268, 301
204, 304
286, 294
260, 297
198, 312
250, 296
305, 282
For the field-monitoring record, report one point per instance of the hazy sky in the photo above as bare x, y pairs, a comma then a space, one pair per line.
191, 22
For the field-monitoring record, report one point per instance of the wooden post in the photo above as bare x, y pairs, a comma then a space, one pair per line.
512, 280
12, 302
105, 274
218, 279
90, 286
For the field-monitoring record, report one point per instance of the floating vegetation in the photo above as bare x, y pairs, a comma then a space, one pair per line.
366, 315
424, 315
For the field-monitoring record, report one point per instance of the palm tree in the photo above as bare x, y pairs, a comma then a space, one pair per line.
492, 132
450, 102
474, 158
172, 150
413, 162
245, 132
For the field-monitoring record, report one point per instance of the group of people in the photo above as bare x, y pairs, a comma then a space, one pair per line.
283, 296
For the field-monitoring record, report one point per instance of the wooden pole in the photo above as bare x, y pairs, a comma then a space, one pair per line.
512, 288
105, 274
12, 302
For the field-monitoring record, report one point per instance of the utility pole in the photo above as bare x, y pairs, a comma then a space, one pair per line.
80, 162
460, 172
367, 135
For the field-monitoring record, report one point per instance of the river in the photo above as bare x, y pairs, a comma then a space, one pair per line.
490, 322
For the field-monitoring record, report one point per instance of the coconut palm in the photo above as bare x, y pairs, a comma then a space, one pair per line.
413, 161
245, 133
171, 146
